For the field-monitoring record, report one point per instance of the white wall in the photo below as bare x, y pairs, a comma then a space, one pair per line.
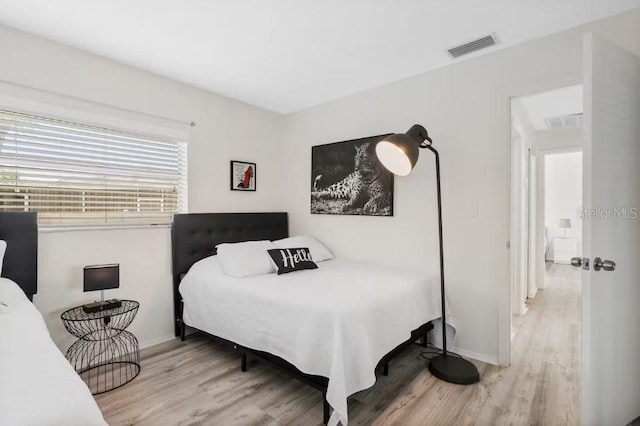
226, 129
465, 109
524, 275
553, 139
541, 143
563, 196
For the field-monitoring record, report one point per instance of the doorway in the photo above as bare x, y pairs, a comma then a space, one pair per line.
546, 188
546, 197
610, 375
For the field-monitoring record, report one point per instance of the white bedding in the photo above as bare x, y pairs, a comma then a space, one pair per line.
337, 321
38, 386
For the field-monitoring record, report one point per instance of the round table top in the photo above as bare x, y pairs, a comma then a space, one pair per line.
78, 314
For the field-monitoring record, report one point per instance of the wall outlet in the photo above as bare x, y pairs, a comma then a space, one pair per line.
472, 209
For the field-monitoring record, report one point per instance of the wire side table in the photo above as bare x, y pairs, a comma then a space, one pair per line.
106, 355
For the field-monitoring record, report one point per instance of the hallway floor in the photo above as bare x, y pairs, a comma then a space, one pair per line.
546, 349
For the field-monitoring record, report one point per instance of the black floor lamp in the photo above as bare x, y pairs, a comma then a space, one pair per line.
399, 154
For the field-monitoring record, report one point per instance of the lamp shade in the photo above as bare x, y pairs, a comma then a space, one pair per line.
565, 223
399, 152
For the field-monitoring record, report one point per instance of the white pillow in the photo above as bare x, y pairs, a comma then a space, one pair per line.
318, 251
3, 250
246, 259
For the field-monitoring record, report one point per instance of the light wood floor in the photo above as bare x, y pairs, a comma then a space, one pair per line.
199, 382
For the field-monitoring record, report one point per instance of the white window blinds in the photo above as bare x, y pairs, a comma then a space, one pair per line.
75, 174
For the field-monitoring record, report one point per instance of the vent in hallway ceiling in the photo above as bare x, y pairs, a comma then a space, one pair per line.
473, 46
564, 121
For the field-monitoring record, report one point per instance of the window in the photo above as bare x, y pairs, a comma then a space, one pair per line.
75, 174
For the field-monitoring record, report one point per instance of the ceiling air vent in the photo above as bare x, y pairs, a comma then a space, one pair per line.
564, 121
473, 46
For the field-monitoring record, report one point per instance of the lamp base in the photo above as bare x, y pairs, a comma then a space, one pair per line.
454, 369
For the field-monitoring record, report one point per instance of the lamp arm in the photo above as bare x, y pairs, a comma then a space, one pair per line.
439, 196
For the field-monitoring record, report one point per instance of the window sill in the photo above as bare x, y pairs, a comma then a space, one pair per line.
72, 228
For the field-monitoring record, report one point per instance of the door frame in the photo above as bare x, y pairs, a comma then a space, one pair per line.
506, 293
534, 230
519, 239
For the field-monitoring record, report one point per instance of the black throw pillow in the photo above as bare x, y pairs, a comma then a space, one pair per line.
291, 259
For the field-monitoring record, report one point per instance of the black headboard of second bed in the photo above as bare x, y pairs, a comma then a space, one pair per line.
195, 235
20, 231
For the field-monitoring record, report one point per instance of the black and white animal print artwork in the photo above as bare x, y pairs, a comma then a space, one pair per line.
347, 178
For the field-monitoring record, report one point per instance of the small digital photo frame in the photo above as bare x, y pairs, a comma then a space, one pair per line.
101, 277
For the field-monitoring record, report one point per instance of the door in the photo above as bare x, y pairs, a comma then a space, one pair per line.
611, 298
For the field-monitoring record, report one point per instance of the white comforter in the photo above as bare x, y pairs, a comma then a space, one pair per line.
337, 321
38, 386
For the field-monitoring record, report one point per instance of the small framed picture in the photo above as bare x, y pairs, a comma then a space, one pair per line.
243, 176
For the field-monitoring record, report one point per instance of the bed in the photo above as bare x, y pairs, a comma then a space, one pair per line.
332, 327
37, 384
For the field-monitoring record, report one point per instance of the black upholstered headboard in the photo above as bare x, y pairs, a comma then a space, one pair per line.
195, 235
20, 231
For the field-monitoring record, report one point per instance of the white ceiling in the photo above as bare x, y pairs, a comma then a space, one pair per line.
555, 103
286, 55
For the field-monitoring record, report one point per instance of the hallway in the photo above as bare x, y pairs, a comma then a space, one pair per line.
546, 349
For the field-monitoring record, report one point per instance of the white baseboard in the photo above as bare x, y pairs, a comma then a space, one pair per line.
474, 355
156, 341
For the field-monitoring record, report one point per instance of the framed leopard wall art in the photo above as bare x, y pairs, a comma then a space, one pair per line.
348, 179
